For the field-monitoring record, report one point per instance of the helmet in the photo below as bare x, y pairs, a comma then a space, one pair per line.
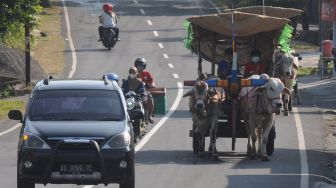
113, 76
107, 7
140, 62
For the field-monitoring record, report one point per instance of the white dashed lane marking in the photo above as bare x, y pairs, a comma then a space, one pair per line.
161, 45
156, 33
171, 65
142, 11
149, 22
176, 76
135, 2
165, 56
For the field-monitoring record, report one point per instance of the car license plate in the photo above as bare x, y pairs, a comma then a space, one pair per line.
76, 168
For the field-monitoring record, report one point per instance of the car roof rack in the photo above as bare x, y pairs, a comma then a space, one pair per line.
47, 80
106, 80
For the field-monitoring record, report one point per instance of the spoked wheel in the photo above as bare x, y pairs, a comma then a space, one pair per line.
195, 143
270, 141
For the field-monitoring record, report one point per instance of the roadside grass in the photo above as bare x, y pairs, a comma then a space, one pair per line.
7, 105
306, 71
48, 50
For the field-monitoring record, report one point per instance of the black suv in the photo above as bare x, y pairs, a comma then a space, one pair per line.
75, 132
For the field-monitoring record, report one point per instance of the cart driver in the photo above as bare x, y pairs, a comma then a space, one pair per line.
255, 66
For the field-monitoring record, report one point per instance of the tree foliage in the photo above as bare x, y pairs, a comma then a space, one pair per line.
18, 12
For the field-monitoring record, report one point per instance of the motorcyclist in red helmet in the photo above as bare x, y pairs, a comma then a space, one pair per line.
147, 78
108, 19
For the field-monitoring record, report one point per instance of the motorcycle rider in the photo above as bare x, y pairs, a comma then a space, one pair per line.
140, 63
108, 19
133, 83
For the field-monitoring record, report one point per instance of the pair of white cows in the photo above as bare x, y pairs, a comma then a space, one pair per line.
258, 107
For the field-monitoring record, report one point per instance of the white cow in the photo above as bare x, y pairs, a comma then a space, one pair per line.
258, 107
286, 68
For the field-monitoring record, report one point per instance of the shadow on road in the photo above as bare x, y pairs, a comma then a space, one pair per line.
89, 50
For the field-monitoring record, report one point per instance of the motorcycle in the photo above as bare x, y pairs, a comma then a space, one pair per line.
109, 38
136, 112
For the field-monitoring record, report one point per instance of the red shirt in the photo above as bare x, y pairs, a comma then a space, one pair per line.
251, 68
146, 77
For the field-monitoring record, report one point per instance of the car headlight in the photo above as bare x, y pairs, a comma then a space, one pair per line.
121, 140
32, 141
130, 103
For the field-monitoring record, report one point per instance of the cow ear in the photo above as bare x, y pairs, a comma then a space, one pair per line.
286, 91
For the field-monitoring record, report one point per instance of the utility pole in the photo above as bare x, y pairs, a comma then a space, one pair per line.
27, 53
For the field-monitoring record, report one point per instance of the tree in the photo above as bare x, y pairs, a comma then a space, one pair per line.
16, 12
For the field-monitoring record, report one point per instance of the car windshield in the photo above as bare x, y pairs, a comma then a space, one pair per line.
77, 105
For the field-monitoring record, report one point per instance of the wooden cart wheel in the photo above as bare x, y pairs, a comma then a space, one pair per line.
270, 141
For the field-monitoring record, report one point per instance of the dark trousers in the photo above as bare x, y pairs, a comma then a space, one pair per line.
101, 31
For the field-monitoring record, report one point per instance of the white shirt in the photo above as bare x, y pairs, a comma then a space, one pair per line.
107, 20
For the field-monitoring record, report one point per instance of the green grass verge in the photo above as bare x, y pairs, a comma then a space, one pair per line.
7, 105
306, 71
48, 50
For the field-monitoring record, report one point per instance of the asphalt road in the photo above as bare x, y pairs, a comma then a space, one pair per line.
167, 160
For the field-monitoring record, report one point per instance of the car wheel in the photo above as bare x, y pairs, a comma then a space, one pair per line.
24, 184
130, 183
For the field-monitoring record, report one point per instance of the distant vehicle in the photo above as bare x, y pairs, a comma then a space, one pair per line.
109, 39
75, 132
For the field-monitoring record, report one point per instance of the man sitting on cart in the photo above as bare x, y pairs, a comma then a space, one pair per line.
255, 66
225, 66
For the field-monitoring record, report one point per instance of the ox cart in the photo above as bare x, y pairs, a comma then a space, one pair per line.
242, 30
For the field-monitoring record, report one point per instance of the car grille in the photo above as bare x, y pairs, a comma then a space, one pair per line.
75, 146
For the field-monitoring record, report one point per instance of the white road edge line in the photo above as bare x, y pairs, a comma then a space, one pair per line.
72, 46
176, 76
142, 11
156, 33
11, 129
165, 56
161, 45
149, 22
302, 146
170, 65
163, 119
73, 53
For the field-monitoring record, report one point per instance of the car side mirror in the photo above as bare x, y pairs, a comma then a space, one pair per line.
15, 115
